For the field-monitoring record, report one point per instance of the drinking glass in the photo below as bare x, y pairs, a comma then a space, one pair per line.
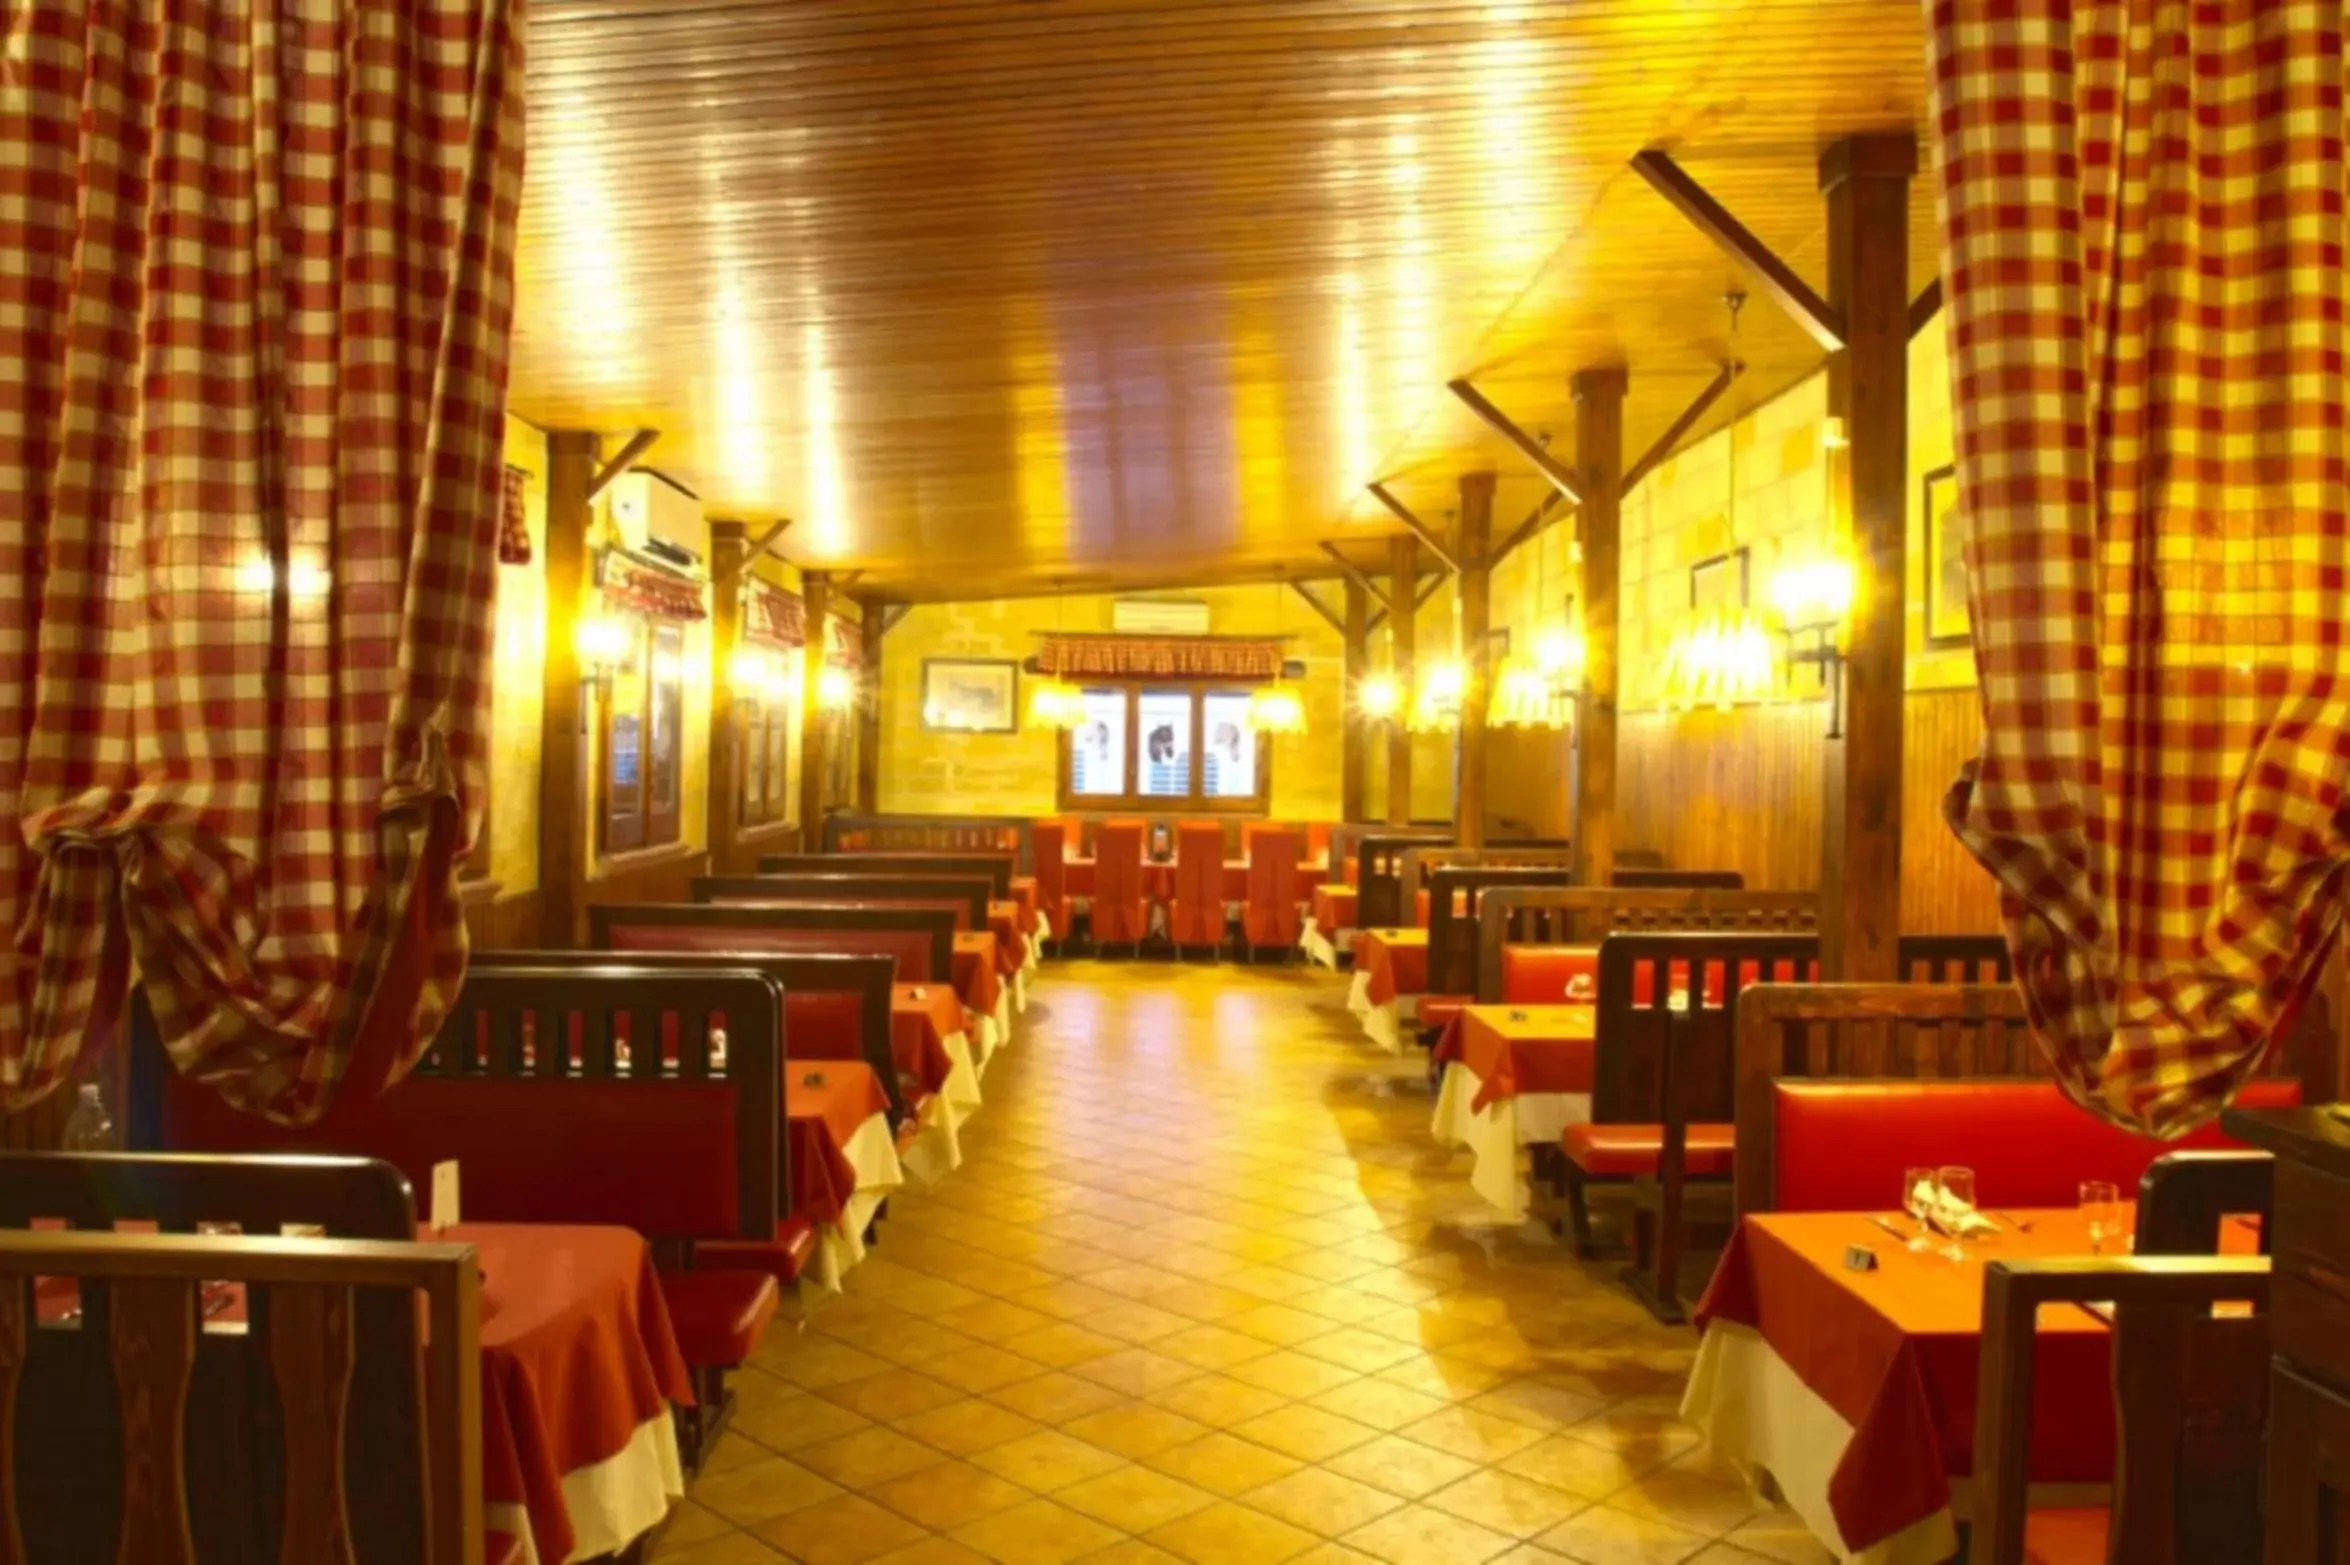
1957, 1187
1919, 1192
2101, 1205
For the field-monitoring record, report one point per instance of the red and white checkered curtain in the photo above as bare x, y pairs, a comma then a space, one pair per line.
256, 260
2142, 210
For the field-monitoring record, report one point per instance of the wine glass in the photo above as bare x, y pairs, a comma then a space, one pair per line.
1956, 1185
2101, 1205
1919, 1192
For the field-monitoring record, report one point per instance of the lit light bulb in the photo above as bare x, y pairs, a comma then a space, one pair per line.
1816, 593
1378, 696
1276, 710
1558, 654
836, 689
1053, 704
602, 640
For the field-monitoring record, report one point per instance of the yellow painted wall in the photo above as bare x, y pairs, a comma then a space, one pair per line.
1017, 774
517, 692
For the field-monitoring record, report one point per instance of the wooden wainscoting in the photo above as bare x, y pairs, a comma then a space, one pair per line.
1742, 790
653, 875
1726, 790
1943, 890
500, 920
740, 852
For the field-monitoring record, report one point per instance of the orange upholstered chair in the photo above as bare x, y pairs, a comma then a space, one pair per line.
1270, 916
1198, 918
1049, 844
1120, 915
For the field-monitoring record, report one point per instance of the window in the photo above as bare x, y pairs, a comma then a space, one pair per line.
644, 720
1143, 746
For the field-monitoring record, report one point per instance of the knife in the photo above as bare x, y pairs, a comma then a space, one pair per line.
1887, 1225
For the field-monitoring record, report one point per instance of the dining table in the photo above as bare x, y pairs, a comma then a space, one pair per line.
1515, 1076
844, 1161
979, 979
1330, 923
1158, 879
1854, 1389
929, 1037
579, 1371
1391, 973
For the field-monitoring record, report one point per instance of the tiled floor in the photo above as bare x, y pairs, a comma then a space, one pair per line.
1204, 1291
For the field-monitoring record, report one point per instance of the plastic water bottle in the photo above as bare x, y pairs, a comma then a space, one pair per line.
89, 1128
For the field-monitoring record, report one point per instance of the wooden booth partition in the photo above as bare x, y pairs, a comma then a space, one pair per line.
1586, 915
845, 832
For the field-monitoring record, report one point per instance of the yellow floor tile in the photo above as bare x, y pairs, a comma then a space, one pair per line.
1321, 1501
1217, 1401
1054, 1397
1047, 1461
1229, 1534
961, 1428
1508, 1503
758, 1490
1401, 1467
845, 1530
868, 1457
1223, 1464
1134, 1499
1136, 1429
1307, 1433
1038, 1533
1603, 1536
891, 1395
949, 1495
1416, 1535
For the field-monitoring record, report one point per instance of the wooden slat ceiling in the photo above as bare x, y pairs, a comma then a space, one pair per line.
992, 293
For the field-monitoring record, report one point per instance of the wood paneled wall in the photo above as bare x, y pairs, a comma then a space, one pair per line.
502, 921
1742, 790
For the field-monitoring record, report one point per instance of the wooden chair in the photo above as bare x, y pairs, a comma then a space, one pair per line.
1456, 895
2191, 1401
1120, 913
921, 939
1664, 1083
967, 895
1051, 846
1877, 1031
1379, 860
1269, 919
1633, 876
1583, 915
1197, 917
298, 1480
845, 832
1832, 1037
2185, 1197
997, 868
1955, 959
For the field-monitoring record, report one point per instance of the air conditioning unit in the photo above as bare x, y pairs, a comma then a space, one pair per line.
648, 508
1158, 617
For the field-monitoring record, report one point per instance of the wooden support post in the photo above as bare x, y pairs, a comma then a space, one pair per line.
1866, 180
1354, 760
1599, 455
1403, 570
873, 627
816, 607
1475, 543
563, 722
728, 558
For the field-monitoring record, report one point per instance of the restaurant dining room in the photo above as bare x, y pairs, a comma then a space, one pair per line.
1206, 781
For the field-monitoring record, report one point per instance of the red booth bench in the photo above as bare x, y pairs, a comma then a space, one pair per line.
529, 1087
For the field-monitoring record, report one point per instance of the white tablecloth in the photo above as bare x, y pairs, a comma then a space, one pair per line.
612, 1503
937, 1149
873, 1157
1495, 1133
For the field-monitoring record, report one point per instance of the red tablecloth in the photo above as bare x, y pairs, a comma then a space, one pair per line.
921, 1018
978, 977
1395, 962
1895, 1353
824, 1106
1003, 922
1334, 908
1024, 893
1526, 1048
576, 1356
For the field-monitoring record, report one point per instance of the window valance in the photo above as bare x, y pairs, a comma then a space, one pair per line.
649, 590
778, 618
1160, 657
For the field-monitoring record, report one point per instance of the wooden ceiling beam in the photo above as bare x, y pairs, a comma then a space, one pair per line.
1663, 445
891, 613
1820, 320
1534, 450
1319, 607
1429, 581
750, 556
638, 444
1355, 574
1417, 528
1925, 306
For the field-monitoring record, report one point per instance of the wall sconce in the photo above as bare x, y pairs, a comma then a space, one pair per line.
757, 673
602, 643
1436, 704
1813, 601
836, 689
1378, 697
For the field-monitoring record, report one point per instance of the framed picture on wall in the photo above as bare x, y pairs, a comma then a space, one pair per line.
1947, 621
971, 695
1719, 582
